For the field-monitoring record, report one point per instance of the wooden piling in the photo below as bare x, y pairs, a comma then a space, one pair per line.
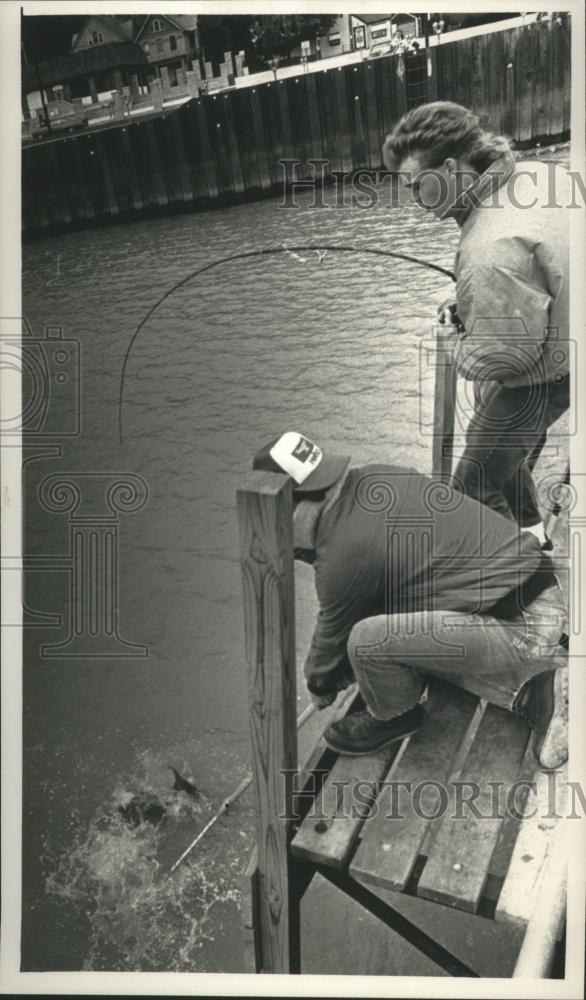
265, 517
228, 144
444, 405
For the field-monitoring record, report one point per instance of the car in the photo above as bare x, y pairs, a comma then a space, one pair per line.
381, 49
62, 116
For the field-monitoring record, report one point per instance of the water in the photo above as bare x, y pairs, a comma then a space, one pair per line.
250, 350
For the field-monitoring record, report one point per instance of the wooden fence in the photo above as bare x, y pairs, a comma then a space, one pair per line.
228, 145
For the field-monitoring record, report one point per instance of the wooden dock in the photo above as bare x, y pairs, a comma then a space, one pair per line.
227, 146
491, 861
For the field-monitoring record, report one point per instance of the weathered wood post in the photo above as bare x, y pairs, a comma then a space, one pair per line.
265, 519
444, 407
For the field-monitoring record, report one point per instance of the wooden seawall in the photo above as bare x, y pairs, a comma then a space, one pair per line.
228, 146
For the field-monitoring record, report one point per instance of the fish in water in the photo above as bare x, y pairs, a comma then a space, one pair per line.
182, 784
142, 810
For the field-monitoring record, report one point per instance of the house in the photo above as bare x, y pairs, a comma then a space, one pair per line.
366, 29
359, 31
113, 53
170, 45
338, 38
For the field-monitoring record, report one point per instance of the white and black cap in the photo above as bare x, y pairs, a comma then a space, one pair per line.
310, 469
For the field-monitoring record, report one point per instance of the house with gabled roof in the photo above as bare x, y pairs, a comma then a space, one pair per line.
115, 52
170, 44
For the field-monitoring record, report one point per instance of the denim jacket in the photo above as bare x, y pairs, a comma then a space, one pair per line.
512, 271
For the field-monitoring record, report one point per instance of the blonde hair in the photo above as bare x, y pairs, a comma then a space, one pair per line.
435, 131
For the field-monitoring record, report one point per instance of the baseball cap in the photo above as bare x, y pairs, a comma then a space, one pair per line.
302, 460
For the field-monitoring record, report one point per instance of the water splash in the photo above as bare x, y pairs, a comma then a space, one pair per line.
117, 877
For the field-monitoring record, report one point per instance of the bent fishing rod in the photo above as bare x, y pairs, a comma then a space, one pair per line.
266, 252
244, 784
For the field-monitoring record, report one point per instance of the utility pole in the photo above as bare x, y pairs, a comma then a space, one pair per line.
427, 52
43, 101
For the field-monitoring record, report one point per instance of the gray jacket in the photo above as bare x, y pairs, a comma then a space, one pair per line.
512, 271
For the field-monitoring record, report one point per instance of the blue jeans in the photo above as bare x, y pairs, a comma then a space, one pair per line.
503, 442
392, 655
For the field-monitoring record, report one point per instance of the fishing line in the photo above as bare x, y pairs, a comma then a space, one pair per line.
269, 251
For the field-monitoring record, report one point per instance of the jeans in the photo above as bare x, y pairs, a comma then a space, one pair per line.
392, 655
503, 442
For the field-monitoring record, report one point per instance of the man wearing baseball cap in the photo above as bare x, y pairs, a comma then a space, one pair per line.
415, 579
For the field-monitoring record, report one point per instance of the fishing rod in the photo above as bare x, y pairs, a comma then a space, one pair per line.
305, 715
266, 252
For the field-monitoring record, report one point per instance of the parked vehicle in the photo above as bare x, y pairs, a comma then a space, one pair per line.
380, 49
62, 117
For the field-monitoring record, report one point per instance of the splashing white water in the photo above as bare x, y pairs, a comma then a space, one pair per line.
141, 918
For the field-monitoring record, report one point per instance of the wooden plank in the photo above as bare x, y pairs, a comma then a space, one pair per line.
316, 143
53, 189
250, 915
391, 840
265, 521
388, 112
93, 176
219, 142
328, 832
233, 145
433, 78
269, 99
157, 180
358, 109
537, 834
343, 118
127, 134
559, 56
510, 101
398, 85
374, 136
444, 406
542, 84
525, 69
71, 179
549, 912
169, 160
177, 122
457, 868
193, 151
262, 152
207, 159
330, 120
288, 139
82, 195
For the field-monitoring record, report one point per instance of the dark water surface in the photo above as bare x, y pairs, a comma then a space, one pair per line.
251, 349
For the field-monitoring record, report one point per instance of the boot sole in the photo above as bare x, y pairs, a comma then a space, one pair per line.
554, 748
366, 753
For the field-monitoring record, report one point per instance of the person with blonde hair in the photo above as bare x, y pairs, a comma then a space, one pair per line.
511, 319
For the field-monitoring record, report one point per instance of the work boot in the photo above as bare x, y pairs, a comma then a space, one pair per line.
360, 733
543, 703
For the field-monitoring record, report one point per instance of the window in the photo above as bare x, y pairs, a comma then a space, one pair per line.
156, 24
146, 48
172, 43
334, 39
380, 33
159, 44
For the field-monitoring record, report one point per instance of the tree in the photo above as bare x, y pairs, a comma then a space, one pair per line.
221, 33
274, 37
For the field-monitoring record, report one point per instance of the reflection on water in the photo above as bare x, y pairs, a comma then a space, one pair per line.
252, 348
